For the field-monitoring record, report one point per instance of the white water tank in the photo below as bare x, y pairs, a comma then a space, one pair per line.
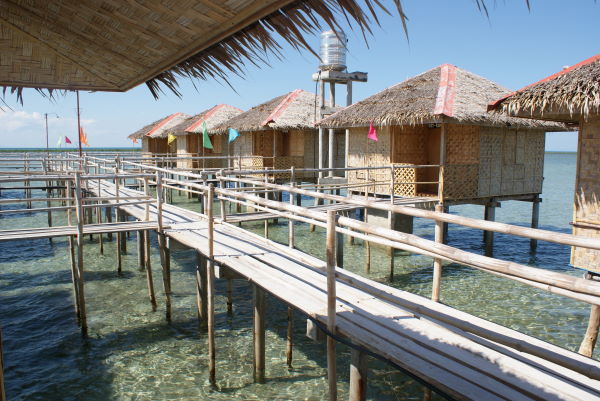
333, 51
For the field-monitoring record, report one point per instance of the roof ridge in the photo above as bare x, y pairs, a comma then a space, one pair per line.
204, 117
495, 103
162, 123
444, 102
281, 107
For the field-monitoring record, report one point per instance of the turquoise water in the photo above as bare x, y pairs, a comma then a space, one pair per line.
133, 354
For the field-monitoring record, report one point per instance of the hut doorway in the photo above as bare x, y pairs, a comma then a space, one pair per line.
418, 145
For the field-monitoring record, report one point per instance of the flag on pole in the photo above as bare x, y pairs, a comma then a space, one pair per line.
205, 138
372, 133
233, 134
83, 137
171, 138
59, 143
134, 140
67, 140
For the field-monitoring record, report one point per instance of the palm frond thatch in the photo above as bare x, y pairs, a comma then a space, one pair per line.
213, 117
293, 110
568, 94
442, 94
159, 127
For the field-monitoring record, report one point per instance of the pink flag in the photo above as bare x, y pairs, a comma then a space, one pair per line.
372, 133
67, 140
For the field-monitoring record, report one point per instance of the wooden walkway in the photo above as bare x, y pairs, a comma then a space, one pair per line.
411, 331
63, 231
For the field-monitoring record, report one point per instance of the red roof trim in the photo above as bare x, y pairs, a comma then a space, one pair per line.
281, 107
206, 116
444, 102
496, 103
162, 123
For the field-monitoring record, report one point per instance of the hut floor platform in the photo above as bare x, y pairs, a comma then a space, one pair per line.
375, 317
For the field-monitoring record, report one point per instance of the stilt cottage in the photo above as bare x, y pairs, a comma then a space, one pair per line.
189, 138
571, 96
277, 134
154, 136
439, 119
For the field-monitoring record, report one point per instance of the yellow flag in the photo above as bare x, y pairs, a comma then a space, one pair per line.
171, 138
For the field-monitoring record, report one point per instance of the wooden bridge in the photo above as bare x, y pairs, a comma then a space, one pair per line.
460, 355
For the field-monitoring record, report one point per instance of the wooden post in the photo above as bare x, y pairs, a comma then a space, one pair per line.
108, 216
392, 218
164, 244
140, 249
290, 336
437, 263
201, 289
210, 275
331, 300
535, 219
2, 391
74, 271
291, 234
118, 218
591, 334
266, 220
80, 281
229, 296
99, 220
488, 236
358, 376
259, 333
221, 201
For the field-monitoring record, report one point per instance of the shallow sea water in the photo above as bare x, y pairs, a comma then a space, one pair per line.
132, 353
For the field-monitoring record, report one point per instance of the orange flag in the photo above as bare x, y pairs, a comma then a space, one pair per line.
83, 137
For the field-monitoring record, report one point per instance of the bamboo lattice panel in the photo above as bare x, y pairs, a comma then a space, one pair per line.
403, 176
461, 181
286, 162
462, 144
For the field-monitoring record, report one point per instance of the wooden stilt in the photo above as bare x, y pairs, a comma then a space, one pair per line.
74, 271
290, 336
165, 259
291, 233
201, 289
339, 250
80, 269
140, 249
535, 219
358, 376
266, 220
437, 263
259, 333
229, 296
331, 307
108, 218
100, 236
2, 391
123, 244
210, 288
488, 236
591, 334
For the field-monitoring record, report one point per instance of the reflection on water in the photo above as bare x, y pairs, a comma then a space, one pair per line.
132, 353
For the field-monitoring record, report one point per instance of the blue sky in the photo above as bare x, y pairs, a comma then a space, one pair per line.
514, 47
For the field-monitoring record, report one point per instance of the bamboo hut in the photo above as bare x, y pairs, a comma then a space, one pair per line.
189, 137
439, 118
154, 136
571, 96
277, 134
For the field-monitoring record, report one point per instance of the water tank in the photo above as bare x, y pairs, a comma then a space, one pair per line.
333, 51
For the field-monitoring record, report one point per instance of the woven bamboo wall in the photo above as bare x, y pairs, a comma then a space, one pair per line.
587, 190
365, 152
145, 145
310, 154
511, 162
461, 172
182, 151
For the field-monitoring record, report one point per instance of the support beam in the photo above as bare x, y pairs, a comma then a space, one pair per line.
165, 257
437, 263
331, 305
210, 288
258, 299
488, 236
201, 289
140, 249
290, 337
358, 376
591, 334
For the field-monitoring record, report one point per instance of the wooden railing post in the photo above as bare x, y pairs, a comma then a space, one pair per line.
74, 271
165, 257
117, 217
331, 307
391, 220
437, 262
222, 201
291, 234
80, 269
210, 276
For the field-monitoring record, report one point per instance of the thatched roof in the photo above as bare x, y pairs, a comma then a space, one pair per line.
566, 96
294, 110
158, 126
442, 94
103, 45
213, 117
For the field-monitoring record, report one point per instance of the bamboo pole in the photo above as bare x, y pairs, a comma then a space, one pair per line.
201, 289
99, 219
229, 296
331, 307
291, 234
591, 334
437, 262
117, 218
535, 219
266, 220
80, 269
74, 271
259, 333
210, 275
165, 254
